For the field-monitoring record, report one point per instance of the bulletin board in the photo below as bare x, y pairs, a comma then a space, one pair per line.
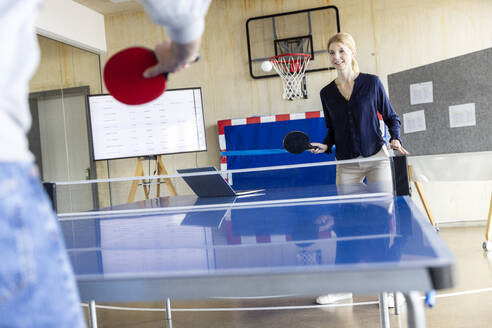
445, 107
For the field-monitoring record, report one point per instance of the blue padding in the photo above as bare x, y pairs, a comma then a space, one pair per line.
265, 136
307, 176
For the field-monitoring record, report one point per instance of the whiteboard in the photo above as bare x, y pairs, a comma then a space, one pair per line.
170, 124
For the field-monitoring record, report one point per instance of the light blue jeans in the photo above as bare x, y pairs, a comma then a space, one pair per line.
37, 285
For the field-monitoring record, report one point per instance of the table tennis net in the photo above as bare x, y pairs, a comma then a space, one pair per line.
314, 181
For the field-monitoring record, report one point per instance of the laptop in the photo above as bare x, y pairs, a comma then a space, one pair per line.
210, 185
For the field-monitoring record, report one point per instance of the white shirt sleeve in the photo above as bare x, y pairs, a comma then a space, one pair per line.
184, 20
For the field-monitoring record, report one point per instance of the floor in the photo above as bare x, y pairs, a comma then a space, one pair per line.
473, 309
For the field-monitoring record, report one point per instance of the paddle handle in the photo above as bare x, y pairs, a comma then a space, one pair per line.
309, 146
197, 58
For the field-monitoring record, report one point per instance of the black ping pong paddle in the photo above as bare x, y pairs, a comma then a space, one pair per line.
296, 142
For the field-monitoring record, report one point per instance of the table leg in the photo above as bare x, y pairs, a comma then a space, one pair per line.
415, 309
92, 314
383, 311
168, 313
397, 304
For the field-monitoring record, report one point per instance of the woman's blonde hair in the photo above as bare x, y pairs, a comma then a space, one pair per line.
348, 41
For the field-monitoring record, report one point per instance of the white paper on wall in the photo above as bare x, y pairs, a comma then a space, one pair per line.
421, 93
462, 115
414, 121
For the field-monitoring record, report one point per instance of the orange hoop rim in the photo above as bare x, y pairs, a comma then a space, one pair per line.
279, 58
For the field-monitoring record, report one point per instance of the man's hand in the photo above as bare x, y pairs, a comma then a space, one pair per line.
173, 57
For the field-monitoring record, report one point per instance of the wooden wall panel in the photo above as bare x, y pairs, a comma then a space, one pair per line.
64, 66
48, 74
413, 33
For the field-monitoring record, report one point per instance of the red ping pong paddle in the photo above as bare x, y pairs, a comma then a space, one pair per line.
296, 142
123, 76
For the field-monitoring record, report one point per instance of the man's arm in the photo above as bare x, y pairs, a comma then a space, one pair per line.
184, 21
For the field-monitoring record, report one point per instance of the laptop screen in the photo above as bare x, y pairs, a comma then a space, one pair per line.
210, 185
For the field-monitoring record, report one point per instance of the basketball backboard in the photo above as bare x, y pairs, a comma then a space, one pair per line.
302, 31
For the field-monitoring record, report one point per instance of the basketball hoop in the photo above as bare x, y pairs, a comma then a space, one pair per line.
291, 68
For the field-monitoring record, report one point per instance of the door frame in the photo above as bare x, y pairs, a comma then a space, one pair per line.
34, 136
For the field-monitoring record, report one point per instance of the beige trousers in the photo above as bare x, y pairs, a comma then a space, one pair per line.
378, 171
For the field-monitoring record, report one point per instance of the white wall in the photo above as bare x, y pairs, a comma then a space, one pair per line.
69, 22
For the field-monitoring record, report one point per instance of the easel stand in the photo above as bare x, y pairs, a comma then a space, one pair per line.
423, 198
487, 244
139, 172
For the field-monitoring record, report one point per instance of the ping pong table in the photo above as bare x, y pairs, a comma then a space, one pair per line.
298, 241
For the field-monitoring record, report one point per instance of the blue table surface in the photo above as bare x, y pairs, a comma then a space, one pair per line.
255, 235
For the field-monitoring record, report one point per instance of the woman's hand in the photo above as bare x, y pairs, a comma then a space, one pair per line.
396, 145
319, 148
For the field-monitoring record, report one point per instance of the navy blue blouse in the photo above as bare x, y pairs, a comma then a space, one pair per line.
353, 125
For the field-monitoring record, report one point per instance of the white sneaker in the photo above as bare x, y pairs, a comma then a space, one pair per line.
391, 299
332, 298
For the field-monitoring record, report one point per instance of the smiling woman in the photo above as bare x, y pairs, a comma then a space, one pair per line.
342, 49
351, 104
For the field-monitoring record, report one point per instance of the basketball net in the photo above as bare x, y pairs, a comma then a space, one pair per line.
291, 68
